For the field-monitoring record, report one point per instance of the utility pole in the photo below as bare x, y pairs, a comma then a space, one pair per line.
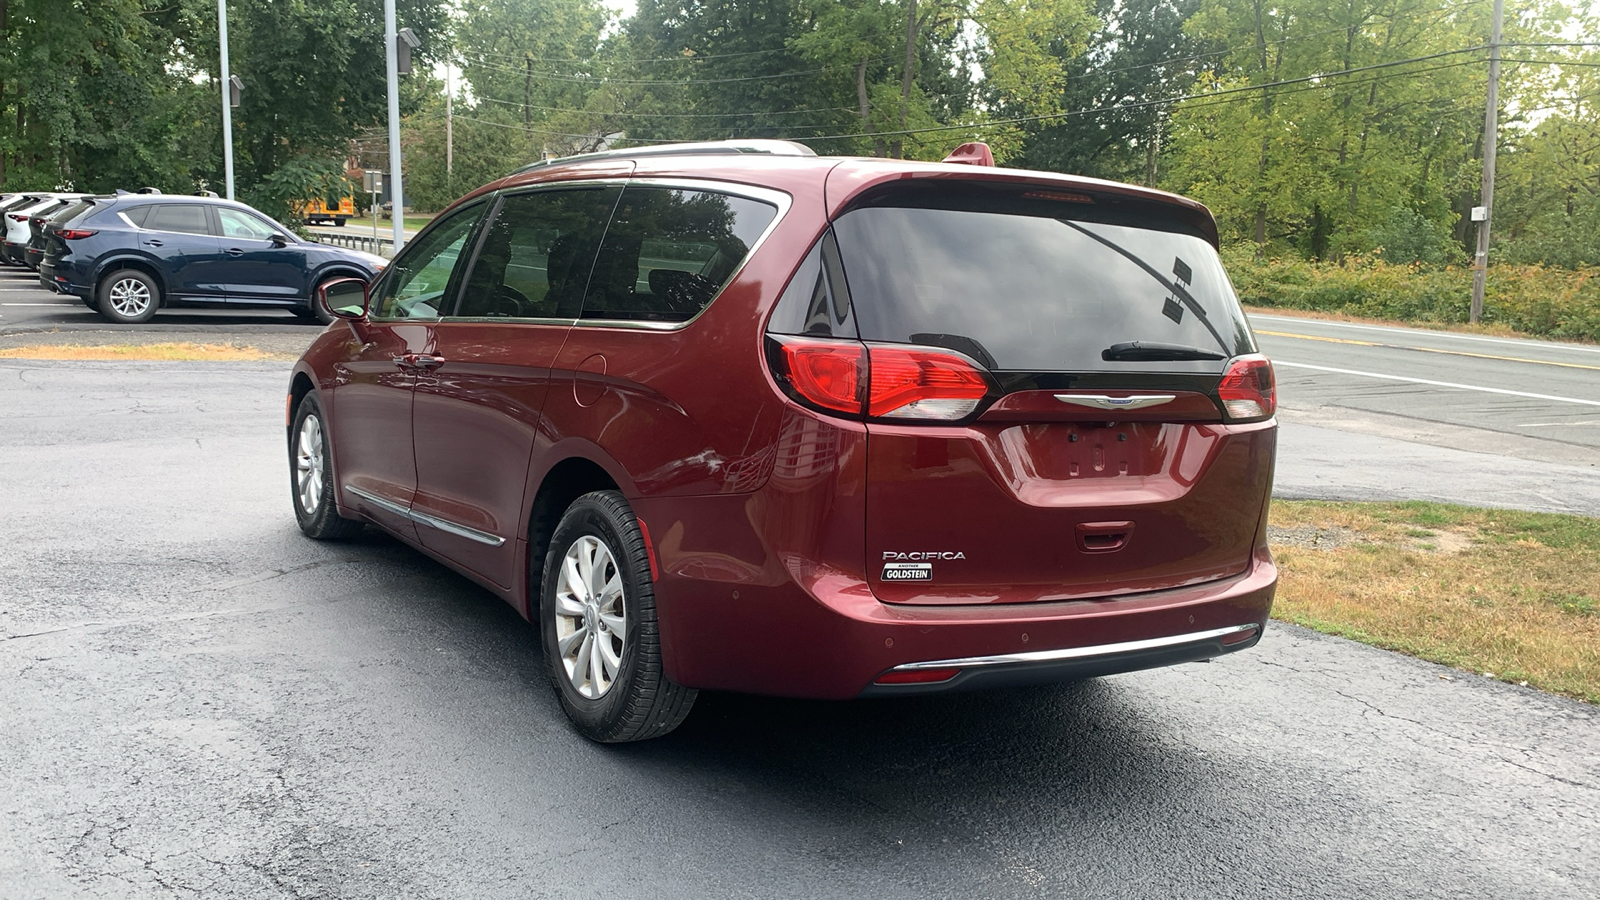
227, 98
449, 128
1491, 140
391, 52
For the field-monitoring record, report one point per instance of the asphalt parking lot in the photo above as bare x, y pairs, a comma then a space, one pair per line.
196, 699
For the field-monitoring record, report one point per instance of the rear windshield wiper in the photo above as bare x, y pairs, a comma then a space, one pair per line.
1149, 351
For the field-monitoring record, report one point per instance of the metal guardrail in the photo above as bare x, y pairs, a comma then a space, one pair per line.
381, 246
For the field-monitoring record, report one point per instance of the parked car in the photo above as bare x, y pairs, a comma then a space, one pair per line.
130, 254
16, 222
33, 252
738, 417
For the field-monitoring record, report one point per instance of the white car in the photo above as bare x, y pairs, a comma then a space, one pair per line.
16, 221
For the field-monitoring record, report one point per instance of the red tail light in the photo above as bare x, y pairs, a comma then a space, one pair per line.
17, 218
880, 381
1247, 390
917, 383
826, 374
73, 234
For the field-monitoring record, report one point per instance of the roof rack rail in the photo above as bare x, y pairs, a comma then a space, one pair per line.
759, 146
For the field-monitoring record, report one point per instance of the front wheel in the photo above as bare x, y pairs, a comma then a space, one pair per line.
598, 621
316, 310
311, 476
128, 297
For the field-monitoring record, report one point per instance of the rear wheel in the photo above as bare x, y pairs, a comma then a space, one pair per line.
311, 476
598, 621
128, 297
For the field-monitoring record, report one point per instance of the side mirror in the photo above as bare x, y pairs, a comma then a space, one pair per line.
344, 297
279, 240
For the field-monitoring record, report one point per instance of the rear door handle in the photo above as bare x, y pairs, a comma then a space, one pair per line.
153, 243
235, 251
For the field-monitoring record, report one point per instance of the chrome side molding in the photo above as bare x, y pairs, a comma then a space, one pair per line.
445, 525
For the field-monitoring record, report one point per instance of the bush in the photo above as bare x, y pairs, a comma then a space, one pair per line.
1536, 300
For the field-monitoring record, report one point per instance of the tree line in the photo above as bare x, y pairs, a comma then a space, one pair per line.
1312, 129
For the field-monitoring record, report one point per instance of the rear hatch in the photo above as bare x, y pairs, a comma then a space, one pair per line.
1043, 379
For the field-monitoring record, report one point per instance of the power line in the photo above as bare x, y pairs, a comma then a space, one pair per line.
568, 109
1178, 99
583, 79
1210, 98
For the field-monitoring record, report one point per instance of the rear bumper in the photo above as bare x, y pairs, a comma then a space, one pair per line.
1047, 666
767, 622
52, 278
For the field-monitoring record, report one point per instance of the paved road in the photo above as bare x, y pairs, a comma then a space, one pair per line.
195, 699
1377, 412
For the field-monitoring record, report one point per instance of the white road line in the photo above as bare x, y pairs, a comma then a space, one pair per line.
1422, 332
1447, 384
65, 305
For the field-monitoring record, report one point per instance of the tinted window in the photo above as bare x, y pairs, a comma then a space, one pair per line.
816, 302
137, 215
186, 219
71, 211
668, 252
238, 224
535, 258
1038, 293
414, 285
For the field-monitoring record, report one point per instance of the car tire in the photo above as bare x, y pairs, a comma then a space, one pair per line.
311, 487
128, 297
315, 310
597, 597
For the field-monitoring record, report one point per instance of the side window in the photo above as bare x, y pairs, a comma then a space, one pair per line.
238, 224
136, 215
816, 301
535, 257
187, 218
669, 251
414, 286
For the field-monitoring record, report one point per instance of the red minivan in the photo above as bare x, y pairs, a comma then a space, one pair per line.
738, 417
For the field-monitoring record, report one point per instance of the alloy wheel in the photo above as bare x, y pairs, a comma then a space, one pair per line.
308, 465
591, 619
130, 297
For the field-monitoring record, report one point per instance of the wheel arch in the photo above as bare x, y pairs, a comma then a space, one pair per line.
139, 263
565, 481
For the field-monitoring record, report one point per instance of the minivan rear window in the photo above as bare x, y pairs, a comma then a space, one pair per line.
1039, 287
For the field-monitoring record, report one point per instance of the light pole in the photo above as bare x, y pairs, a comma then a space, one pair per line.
391, 58
228, 101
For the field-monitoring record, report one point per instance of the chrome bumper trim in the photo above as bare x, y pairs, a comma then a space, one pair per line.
445, 525
1042, 656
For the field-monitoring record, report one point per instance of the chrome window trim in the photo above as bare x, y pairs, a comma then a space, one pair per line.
1037, 656
777, 198
445, 525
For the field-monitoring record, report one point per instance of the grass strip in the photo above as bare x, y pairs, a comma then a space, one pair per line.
1515, 595
169, 352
